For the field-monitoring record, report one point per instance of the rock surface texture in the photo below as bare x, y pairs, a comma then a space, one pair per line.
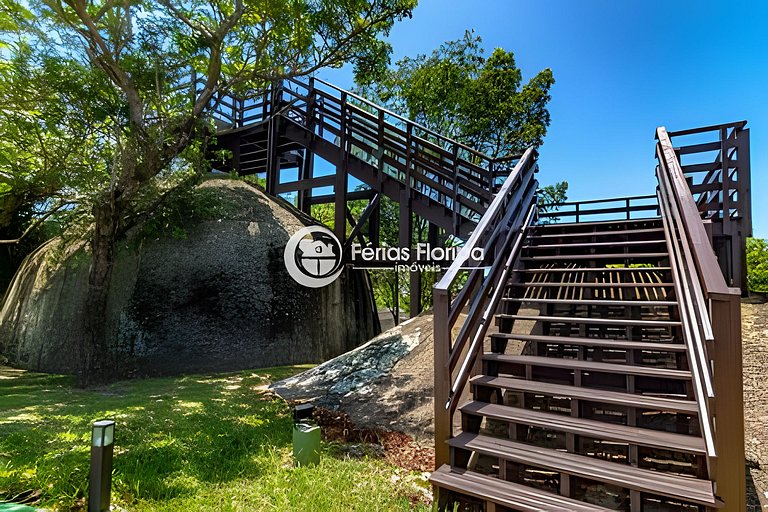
387, 383
215, 298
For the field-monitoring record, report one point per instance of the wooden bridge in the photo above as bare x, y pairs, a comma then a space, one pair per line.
627, 394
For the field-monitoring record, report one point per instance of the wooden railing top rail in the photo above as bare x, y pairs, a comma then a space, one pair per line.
499, 233
711, 128
404, 120
593, 207
689, 298
487, 222
709, 272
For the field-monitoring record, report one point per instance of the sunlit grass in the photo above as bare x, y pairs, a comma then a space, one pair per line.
203, 442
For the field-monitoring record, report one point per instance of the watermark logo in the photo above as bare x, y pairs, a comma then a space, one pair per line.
313, 257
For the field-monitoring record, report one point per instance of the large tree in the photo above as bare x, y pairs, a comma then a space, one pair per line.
459, 93
154, 125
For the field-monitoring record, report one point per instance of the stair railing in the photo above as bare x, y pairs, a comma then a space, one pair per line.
710, 315
449, 172
479, 283
628, 208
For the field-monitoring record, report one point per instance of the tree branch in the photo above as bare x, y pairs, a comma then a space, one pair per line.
35, 224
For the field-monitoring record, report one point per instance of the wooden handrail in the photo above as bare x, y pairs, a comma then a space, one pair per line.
577, 209
708, 269
404, 119
709, 312
500, 234
462, 179
711, 128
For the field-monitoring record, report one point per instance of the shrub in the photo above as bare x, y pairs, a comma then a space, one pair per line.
757, 265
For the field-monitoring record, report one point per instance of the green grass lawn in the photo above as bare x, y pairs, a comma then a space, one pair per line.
203, 442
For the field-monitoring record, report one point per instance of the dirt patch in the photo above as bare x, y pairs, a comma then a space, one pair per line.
397, 448
754, 334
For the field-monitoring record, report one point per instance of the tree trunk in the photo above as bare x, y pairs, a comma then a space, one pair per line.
95, 361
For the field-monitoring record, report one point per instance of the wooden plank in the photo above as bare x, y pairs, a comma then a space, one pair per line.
592, 320
598, 396
620, 232
508, 494
588, 428
613, 243
594, 342
629, 477
596, 302
594, 366
605, 256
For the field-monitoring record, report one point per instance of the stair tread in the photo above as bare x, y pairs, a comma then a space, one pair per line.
588, 394
565, 284
598, 244
508, 494
600, 233
682, 487
653, 220
598, 342
594, 302
541, 270
589, 320
561, 257
587, 427
577, 364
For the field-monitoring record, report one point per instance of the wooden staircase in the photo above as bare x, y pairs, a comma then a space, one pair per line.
589, 365
599, 408
282, 134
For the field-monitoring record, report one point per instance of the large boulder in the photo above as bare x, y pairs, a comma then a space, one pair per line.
215, 296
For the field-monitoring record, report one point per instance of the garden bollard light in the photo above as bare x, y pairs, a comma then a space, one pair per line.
306, 436
100, 483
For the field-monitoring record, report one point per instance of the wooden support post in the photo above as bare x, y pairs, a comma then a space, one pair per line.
415, 289
730, 479
725, 179
442, 350
744, 203
406, 233
340, 187
373, 226
308, 162
307, 170
396, 296
236, 154
455, 204
273, 158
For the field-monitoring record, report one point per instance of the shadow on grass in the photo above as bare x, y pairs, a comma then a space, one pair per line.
172, 434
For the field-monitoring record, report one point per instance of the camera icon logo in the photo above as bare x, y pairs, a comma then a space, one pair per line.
313, 256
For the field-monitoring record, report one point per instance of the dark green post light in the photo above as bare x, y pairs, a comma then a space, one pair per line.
100, 483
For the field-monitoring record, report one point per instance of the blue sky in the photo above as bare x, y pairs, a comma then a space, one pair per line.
621, 69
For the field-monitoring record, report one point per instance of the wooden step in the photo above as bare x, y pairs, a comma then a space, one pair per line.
655, 482
566, 284
589, 366
588, 428
600, 256
594, 342
595, 302
598, 244
586, 320
544, 270
508, 494
653, 403
654, 221
534, 235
